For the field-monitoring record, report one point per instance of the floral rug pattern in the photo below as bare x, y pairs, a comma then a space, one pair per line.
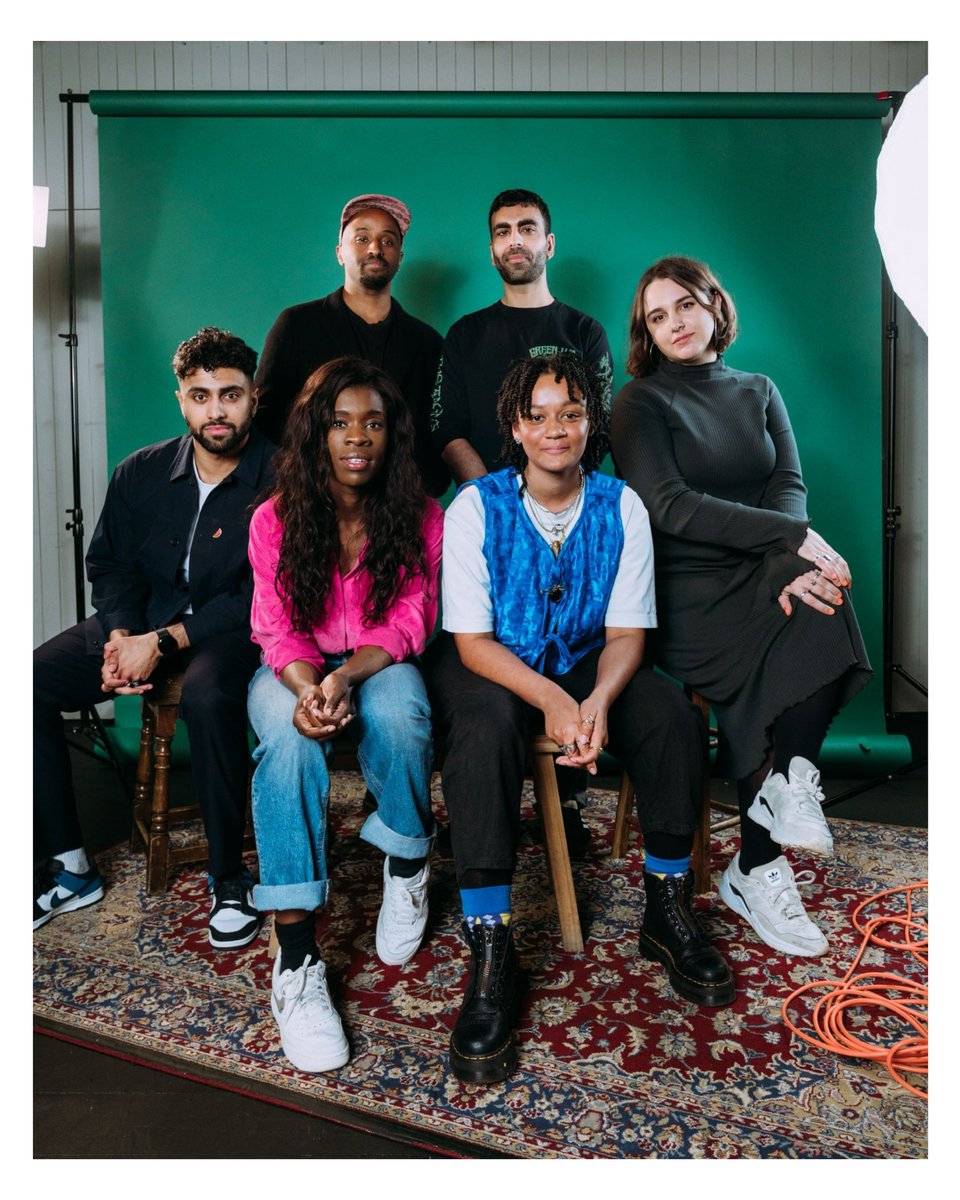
612, 1063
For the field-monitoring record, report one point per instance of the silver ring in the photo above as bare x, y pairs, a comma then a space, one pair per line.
590, 719
135, 683
566, 748
803, 593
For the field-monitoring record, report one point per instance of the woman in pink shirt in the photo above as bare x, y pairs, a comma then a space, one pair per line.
345, 555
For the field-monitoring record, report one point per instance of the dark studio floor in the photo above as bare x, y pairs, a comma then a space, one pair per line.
92, 1105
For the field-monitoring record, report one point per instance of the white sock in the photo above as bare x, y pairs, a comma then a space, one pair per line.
75, 860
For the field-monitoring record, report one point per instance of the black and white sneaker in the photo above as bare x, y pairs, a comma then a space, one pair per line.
57, 890
234, 922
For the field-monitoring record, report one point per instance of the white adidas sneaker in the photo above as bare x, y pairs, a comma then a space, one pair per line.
791, 808
767, 897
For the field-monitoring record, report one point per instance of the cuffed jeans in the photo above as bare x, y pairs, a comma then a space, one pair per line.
291, 785
653, 730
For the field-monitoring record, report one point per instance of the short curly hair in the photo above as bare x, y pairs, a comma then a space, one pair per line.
516, 392
210, 349
705, 288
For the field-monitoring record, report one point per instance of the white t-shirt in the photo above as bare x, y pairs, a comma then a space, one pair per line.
205, 490
465, 579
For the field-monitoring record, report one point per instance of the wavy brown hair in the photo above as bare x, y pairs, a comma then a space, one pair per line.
703, 285
392, 509
516, 393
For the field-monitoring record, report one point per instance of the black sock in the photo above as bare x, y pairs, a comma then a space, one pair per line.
404, 868
756, 844
801, 729
298, 943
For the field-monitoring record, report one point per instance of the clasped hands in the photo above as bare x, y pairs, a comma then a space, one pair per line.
324, 708
128, 662
820, 587
580, 730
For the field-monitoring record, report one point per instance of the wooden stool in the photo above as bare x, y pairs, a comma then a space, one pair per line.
152, 814
543, 751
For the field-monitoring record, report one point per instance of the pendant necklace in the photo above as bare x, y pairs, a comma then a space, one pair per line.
554, 524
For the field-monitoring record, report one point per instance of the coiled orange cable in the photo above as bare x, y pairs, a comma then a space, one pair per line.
906, 999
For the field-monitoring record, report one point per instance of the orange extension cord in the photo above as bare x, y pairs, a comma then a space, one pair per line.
876, 990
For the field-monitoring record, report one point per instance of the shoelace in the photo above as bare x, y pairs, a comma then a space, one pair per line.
786, 900
808, 795
231, 891
406, 902
306, 985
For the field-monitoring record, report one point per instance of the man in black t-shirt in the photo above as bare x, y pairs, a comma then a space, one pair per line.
477, 353
359, 318
527, 320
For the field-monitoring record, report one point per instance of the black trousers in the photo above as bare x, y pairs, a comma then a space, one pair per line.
214, 708
653, 729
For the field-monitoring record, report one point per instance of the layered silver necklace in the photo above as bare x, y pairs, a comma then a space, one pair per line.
553, 524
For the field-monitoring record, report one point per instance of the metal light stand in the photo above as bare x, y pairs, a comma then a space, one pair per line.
90, 726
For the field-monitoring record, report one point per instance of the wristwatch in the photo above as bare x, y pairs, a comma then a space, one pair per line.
166, 642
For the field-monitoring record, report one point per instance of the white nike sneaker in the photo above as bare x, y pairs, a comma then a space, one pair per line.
768, 898
790, 808
310, 1029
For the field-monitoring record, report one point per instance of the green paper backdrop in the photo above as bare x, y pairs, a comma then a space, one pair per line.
223, 208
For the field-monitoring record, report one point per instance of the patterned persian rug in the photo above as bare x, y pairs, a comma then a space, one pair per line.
612, 1063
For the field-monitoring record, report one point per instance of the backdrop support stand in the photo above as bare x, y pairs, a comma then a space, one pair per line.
89, 728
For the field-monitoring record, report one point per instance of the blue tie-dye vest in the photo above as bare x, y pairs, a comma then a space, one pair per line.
550, 635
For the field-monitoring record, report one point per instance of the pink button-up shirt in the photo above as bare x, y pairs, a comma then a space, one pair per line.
404, 631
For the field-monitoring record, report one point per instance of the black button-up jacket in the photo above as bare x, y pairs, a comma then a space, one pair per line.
137, 550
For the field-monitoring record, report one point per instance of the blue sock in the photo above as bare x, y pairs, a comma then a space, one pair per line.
666, 866
486, 905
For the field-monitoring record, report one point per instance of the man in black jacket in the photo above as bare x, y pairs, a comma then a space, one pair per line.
171, 584
359, 318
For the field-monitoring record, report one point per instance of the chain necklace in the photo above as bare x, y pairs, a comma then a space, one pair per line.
554, 525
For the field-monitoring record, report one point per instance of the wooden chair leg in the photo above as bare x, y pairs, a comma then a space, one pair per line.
621, 826
158, 849
143, 787
548, 799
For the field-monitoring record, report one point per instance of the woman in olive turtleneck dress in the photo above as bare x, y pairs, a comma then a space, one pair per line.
754, 606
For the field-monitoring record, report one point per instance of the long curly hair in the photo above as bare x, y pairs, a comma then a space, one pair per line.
644, 354
392, 509
516, 392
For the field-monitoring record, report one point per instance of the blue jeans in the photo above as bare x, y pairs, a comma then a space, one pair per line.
291, 785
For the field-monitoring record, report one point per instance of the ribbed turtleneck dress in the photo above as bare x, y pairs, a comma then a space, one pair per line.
712, 455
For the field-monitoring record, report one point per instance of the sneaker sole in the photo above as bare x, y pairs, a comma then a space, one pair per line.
769, 939
709, 995
69, 906
220, 942
761, 816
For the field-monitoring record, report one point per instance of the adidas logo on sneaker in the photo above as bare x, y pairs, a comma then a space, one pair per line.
772, 876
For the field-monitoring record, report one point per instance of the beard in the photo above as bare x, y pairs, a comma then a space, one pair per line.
522, 272
378, 282
222, 445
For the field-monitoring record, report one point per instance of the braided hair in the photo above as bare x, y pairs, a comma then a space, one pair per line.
516, 393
